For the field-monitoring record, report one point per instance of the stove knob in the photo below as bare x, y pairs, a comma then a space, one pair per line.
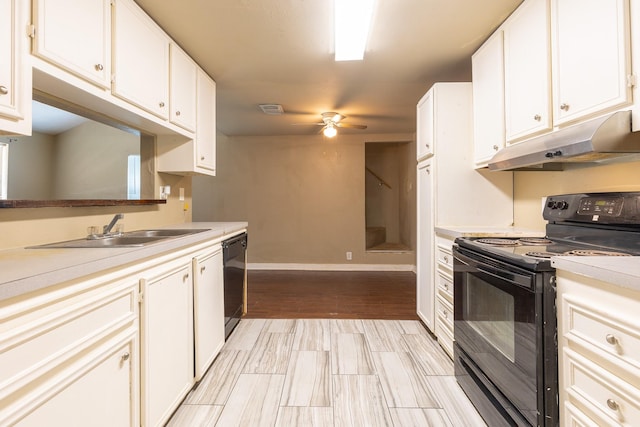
551, 204
563, 205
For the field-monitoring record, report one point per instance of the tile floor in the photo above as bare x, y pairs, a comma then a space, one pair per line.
328, 372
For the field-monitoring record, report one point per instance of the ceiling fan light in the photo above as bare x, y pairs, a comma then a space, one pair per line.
352, 20
330, 131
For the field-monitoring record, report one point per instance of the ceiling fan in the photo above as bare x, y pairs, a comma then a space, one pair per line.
331, 121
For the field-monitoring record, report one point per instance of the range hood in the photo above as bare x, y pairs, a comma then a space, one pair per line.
594, 141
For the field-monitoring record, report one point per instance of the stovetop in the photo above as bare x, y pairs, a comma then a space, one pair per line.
593, 224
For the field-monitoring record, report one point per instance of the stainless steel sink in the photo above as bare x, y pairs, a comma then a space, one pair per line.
165, 232
126, 240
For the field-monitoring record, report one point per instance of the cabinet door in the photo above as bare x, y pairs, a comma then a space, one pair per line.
141, 59
208, 309
97, 390
15, 69
183, 89
167, 340
424, 126
527, 71
488, 99
76, 36
591, 57
425, 290
206, 126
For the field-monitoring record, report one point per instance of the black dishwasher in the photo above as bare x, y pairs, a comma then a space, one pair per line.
234, 256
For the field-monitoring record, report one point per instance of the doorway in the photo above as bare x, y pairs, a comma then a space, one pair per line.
388, 196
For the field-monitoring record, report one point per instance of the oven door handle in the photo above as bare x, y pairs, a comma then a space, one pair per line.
508, 276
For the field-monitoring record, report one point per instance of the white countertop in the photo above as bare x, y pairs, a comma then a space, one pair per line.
25, 270
620, 271
486, 231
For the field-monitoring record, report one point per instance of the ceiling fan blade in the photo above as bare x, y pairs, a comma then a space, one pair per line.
349, 125
307, 124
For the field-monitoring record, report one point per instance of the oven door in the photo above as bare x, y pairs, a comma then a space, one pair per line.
495, 327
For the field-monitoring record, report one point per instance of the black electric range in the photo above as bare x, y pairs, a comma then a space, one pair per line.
505, 321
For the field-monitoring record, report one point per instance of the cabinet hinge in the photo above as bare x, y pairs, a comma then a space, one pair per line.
631, 80
140, 297
31, 31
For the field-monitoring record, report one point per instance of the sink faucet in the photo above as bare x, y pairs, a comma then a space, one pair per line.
107, 228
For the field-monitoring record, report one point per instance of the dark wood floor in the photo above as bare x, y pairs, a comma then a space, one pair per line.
331, 295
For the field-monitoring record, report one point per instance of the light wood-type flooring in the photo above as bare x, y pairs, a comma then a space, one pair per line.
329, 349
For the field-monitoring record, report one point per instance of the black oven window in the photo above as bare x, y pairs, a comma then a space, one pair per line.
491, 313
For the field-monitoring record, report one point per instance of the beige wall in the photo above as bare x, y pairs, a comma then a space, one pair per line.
531, 187
30, 166
97, 153
303, 197
23, 227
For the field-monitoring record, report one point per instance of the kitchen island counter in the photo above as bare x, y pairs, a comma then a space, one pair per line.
24, 270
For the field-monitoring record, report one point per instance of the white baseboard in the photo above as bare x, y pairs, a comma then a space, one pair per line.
331, 267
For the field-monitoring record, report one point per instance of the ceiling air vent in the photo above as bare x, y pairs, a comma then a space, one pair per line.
271, 109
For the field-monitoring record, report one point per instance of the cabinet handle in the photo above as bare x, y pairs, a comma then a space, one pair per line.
201, 157
161, 104
99, 67
427, 146
564, 107
125, 357
537, 117
444, 313
178, 113
3, 90
446, 259
613, 405
446, 286
185, 277
611, 339
202, 269
495, 148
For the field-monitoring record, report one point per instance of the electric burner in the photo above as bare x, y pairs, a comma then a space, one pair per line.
539, 254
583, 252
498, 242
535, 241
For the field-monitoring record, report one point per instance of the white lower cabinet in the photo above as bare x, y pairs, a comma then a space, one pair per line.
444, 293
208, 288
116, 348
599, 352
167, 339
70, 356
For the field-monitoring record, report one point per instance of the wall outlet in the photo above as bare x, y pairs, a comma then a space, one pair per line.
349, 256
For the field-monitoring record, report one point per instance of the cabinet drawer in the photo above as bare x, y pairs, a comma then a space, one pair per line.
444, 325
603, 393
444, 311
445, 258
44, 337
573, 417
601, 331
445, 286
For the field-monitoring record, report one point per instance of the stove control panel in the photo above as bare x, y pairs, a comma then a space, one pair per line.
601, 206
604, 208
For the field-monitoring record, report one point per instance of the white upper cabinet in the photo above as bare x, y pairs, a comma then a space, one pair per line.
488, 99
591, 57
527, 71
206, 126
141, 59
424, 126
182, 89
75, 35
15, 69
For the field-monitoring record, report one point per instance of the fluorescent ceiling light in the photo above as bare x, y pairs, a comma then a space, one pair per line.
352, 19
